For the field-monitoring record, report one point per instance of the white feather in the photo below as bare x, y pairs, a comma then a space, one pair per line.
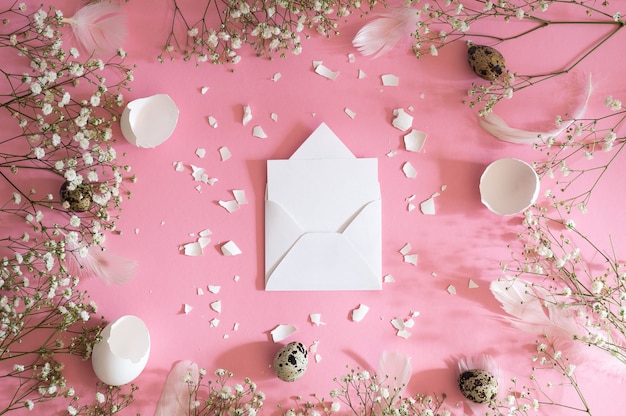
481, 362
99, 27
175, 397
527, 313
380, 35
108, 266
397, 367
525, 303
496, 126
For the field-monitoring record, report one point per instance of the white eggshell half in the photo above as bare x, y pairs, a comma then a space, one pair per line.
148, 122
123, 352
509, 186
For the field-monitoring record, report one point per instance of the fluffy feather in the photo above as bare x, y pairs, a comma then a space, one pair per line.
496, 126
99, 27
397, 366
523, 302
108, 266
380, 35
483, 362
527, 312
175, 398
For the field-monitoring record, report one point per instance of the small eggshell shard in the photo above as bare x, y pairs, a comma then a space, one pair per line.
123, 352
479, 386
148, 122
291, 362
486, 62
508, 186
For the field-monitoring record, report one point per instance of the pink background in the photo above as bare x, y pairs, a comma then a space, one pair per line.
462, 241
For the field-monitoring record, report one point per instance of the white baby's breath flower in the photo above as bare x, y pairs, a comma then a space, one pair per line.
95, 100
100, 398
597, 286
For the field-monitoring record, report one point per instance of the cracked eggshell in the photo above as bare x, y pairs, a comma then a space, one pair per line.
123, 351
508, 186
291, 362
148, 122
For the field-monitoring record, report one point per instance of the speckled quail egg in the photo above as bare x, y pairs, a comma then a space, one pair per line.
478, 386
291, 361
486, 62
78, 199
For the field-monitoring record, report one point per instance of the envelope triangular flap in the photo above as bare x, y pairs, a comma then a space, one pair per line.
336, 265
323, 143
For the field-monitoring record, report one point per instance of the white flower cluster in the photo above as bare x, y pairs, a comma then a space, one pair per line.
217, 397
367, 393
64, 108
268, 26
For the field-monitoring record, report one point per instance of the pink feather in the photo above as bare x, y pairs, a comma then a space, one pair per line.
99, 27
108, 266
398, 367
175, 397
496, 126
380, 35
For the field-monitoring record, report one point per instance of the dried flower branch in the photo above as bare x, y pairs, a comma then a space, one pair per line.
368, 394
63, 183
550, 370
444, 22
270, 27
219, 398
578, 307
593, 141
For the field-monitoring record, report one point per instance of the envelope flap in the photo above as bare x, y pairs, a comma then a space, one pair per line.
365, 233
282, 230
323, 261
322, 144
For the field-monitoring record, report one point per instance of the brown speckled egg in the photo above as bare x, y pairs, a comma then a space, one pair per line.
291, 361
77, 199
478, 386
486, 62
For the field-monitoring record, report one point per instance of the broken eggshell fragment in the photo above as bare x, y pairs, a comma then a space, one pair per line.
486, 62
148, 122
122, 353
509, 186
291, 362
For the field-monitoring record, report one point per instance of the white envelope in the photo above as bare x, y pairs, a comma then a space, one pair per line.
323, 218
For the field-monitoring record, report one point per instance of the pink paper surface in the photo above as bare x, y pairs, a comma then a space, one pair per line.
462, 241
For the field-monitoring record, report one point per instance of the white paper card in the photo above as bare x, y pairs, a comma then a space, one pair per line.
323, 218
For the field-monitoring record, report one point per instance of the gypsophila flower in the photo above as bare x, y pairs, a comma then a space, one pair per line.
51, 94
597, 286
